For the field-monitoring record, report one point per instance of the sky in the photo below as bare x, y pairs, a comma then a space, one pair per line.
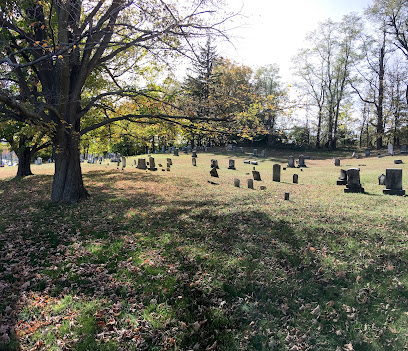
272, 31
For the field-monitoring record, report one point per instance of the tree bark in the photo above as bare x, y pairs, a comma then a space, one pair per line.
68, 186
24, 162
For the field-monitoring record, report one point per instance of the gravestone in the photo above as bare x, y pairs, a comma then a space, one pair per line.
247, 162
39, 161
229, 147
263, 153
250, 183
381, 179
337, 162
256, 175
152, 164
353, 181
214, 172
390, 149
295, 179
214, 164
343, 178
276, 172
393, 182
176, 152
194, 161
254, 163
123, 162
194, 153
255, 154
286, 196
359, 156
169, 161
404, 149
398, 162
141, 163
163, 150
368, 152
231, 164
291, 162
236, 182
301, 161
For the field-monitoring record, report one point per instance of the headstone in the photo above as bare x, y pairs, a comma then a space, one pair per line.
141, 163
236, 182
404, 149
343, 178
263, 153
256, 175
247, 162
393, 182
295, 179
301, 161
359, 156
231, 164
214, 164
163, 150
229, 147
291, 162
214, 172
250, 183
254, 163
276, 172
194, 153
152, 164
123, 162
176, 152
398, 162
353, 181
367, 152
255, 153
286, 196
390, 149
337, 162
194, 161
169, 161
381, 179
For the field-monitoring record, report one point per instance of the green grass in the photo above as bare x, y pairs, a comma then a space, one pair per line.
168, 261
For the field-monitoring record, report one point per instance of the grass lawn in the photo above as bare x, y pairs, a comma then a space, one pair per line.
168, 261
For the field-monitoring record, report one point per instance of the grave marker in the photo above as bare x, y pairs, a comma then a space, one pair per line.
393, 182
337, 162
256, 175
295, 179
250, 183
302, 161
152, 164
342, 180
231, 164
214, 164
291, 162
353, 181
381, 179
141, 163
276, 172
194, 161
236, 182
214, 172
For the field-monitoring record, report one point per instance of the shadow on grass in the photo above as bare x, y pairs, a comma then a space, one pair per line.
139, 266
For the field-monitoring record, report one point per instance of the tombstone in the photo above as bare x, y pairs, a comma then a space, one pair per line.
176, 152
250, 183
367, 152
169, 161
148, 151
123, 162
231, 164
398, 162
254, 163
169, 150
337, 162
236, 182
381, 179
168, 168
189, 148
255, 154
247, 162
301, 161
134, 161
229, 147
393, 182
141, 163
152, 164
404, 149
353, 181
286, 196
390, 149
256, 175
163, 150
359, 156
263, 153
194, 161
291, 162
194, 153
39, 161
214, 164
276, 172
214, 172
343, 178
295, 179
185, 150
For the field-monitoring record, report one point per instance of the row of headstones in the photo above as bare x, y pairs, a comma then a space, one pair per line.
142, 164
337, 162
392, 181
39, 161
390, 151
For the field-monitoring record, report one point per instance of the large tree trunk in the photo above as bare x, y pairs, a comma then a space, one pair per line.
24, 162
67, 185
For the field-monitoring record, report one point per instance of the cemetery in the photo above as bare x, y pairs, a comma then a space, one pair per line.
272, 246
